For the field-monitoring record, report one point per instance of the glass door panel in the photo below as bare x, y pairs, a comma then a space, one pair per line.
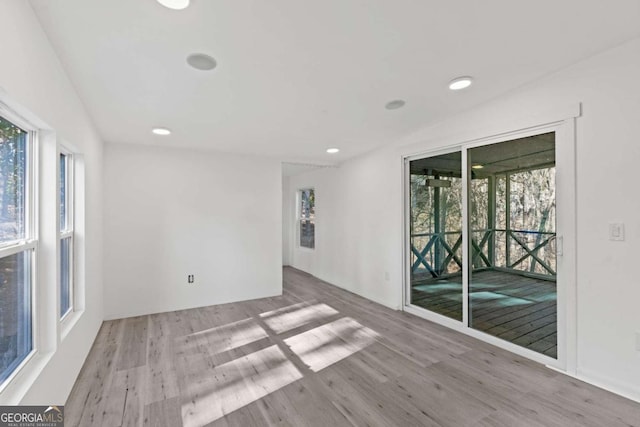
436, 234
512, 231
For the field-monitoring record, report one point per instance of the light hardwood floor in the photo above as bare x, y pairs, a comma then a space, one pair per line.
319, 356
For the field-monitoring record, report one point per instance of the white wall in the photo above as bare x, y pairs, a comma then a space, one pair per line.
32, 77
357, 226
359, 206
171, 212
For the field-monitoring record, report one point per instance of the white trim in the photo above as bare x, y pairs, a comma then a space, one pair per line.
452, 145
465, 235
20, 115
18, 247
406, 213
69, 177
68, 322
16, 373
406, 231
514, 126
614, 386
566, 225
445, 149
79, 208
624, 389
434, 317
490, 339
17, 370
23, 377
16, 118
77, 260
29, 244
66, 315
67, 233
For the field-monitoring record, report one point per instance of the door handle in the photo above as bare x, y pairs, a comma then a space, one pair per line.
559, 245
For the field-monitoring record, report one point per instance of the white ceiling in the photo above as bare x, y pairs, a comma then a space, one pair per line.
292, 169
295, 77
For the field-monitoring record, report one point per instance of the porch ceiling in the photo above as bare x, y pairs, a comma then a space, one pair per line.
520, 154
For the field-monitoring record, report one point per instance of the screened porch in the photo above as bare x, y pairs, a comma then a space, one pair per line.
512, 239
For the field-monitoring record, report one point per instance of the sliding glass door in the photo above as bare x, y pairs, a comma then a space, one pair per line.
505, 196
512, 274
436, 234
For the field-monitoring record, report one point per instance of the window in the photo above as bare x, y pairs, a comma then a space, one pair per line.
66, 234
17, 247
307, 218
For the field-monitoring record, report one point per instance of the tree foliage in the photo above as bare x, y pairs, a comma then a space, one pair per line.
12, 180
529, 214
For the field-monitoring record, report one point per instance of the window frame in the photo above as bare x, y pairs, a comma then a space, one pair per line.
68, 232
300, 218
29, 242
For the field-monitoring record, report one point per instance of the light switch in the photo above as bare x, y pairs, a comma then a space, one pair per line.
616, 231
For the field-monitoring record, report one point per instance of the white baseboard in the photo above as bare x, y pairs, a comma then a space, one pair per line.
628, 390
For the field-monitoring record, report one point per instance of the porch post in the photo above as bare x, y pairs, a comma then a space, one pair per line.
437, 247
507, 237
491, 220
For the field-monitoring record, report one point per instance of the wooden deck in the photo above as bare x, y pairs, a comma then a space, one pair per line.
518, 309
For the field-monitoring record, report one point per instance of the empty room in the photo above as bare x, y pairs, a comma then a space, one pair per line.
319, 213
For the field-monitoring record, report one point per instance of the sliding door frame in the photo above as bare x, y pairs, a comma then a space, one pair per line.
566, 241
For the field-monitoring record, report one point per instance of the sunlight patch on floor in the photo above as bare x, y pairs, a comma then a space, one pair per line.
235, 384
283, 320
327, 344
226, 337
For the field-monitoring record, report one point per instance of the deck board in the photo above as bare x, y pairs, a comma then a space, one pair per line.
530, 321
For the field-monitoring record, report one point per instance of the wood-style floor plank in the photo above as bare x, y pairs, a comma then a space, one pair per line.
134, 341
321, 356
163, 413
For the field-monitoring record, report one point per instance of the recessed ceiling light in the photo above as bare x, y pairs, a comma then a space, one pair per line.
460, 83
175, 4
201, 61
477, 167
395, 104
161, 131
333, 150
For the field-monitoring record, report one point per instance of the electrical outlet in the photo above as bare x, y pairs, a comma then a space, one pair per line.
616, 231
191, 278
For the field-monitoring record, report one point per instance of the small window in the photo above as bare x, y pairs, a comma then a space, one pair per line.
66, 234
307, 219
17, 247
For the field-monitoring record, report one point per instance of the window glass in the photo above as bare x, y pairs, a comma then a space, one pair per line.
65, 276
13, 165
66, 234
63, 191
307, 218
16, 252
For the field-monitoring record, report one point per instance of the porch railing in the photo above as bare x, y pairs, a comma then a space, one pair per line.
439, 254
